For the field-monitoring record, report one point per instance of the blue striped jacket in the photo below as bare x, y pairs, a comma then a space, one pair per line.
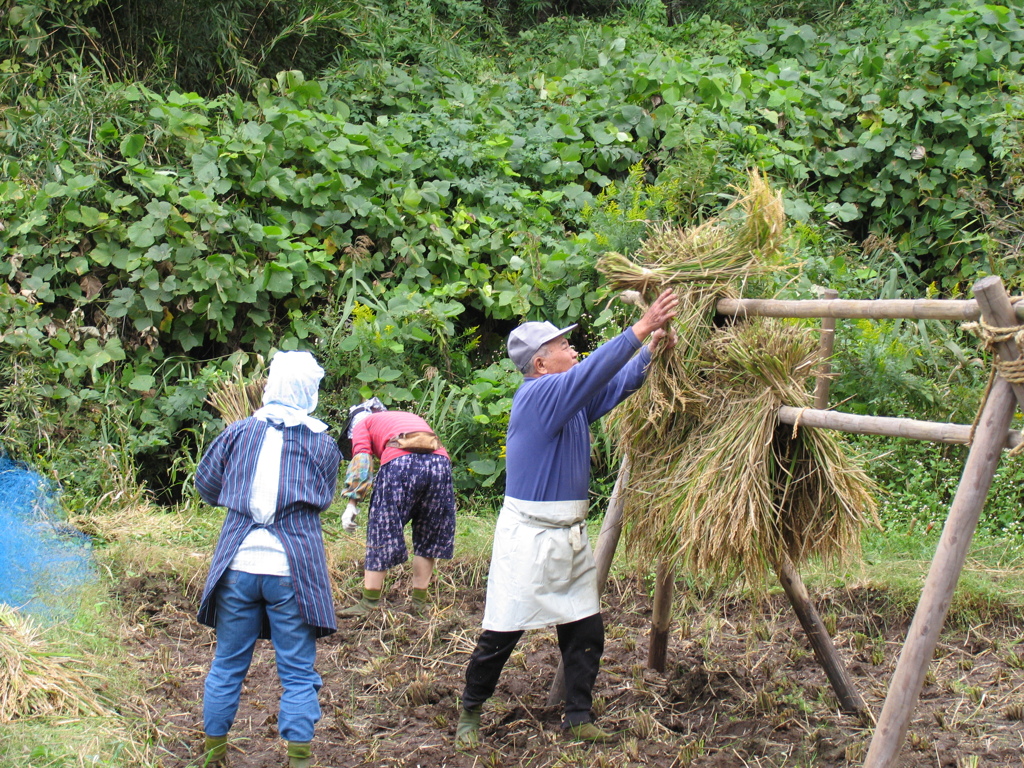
309, 477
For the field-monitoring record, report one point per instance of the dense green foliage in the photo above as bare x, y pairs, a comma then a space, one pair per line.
230, 45
406, 189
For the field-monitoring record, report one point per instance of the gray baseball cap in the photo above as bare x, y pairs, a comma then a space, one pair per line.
526, 340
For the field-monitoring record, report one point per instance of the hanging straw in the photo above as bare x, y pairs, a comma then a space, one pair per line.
715, 482
743, 490
702, 264
235, 398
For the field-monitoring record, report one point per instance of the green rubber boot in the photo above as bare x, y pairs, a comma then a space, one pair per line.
420, 605
467, 732
590, 732
299, 754
367, 603
215, 752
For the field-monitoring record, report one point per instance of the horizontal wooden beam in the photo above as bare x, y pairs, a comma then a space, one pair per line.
914, 309
936, 432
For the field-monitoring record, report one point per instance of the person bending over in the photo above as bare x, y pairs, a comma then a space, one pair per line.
414, 483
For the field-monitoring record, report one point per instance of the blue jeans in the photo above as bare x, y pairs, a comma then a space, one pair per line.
242, 599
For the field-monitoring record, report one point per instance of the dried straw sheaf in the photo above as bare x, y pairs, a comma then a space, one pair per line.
36, 681
714, 482
744, 490
236, 398
701, 259
702, 264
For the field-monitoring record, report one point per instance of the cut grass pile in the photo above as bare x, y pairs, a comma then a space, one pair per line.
72, 694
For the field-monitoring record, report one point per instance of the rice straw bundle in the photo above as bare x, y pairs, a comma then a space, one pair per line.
719, 251
744, 490
36, 681
714, 481
702, 264
235, 398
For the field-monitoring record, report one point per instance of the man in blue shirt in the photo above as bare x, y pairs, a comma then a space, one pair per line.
542, 567
275, 471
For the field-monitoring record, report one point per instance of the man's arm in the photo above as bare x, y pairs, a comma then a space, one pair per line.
625, 383
654, 326
556, 398
605, 377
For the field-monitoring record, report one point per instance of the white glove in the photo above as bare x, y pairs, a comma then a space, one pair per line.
348, 517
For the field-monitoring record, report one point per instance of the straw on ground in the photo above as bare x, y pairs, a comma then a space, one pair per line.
34, 679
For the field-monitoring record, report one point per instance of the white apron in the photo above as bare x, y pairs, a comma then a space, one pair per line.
542, 567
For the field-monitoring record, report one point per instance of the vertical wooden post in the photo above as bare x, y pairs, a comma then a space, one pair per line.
611, 528
826, 345
824, 651
661, 616
604, 553
979, 469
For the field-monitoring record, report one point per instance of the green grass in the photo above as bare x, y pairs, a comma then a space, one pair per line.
474, 531
74, 743
890, 573
894, 566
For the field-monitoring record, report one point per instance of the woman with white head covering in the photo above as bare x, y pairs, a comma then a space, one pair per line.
275, 471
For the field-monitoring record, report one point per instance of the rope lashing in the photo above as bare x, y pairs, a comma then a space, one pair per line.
1011, 370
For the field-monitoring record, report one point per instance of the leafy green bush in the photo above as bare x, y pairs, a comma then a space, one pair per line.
832, 13
919, 481
219, 225
208, 47
399, 220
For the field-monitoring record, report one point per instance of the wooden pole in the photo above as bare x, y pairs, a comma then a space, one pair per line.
825, 347
661, 616
611, 528
914, 309
824, 651
604, 553
998, 312
944, 572
934, 431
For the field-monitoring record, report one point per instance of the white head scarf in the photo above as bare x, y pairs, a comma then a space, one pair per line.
292, 391
362, 410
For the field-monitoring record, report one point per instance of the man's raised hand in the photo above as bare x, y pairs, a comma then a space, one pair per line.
657, 315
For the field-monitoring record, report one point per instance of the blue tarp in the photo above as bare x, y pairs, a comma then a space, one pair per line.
43, 562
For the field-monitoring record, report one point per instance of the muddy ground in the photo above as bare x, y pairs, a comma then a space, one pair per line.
742, 687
